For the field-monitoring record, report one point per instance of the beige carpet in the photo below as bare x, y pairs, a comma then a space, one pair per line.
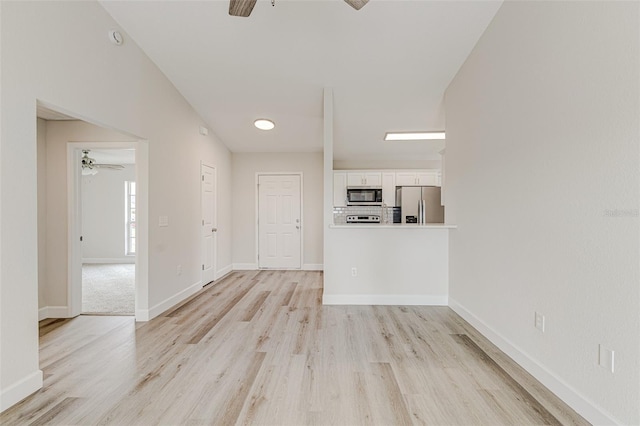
108, 289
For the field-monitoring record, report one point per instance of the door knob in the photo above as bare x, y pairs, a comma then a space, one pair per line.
214, 230
297, 227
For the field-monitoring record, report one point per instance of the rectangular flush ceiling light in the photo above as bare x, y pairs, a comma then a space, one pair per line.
413, 136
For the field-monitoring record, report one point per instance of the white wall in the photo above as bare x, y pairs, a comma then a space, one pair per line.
103, 215
543, 183
245, 167
58, 52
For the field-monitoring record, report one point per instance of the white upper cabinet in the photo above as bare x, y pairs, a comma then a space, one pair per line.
339, 189
388, 180
389, 188
429, 178
418, 178
355, 179
373, 179
364, 179
406, 179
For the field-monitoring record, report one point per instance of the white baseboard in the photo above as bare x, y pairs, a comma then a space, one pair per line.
245, 266
128, 259
224, 271
563, 390
146, 315
254, 266
312, 267
53, 312
142, 315
20, 390
385, 299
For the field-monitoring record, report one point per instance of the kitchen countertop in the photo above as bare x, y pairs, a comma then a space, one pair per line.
393, 226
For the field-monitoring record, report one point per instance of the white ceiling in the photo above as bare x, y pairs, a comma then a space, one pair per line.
388, 64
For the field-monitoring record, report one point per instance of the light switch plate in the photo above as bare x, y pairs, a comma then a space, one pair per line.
606, 358
539, 321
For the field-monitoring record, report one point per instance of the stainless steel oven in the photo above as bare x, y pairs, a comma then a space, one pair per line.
364, 196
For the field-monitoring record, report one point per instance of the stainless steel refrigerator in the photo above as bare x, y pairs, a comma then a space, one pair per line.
420, 204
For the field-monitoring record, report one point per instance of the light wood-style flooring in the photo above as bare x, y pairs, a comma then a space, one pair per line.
258, 347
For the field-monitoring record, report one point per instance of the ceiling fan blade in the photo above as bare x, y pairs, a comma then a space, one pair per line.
356, 4
241, 7
109, 166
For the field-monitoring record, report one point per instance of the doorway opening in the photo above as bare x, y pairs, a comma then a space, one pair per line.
108, 206
67, 239
103, 277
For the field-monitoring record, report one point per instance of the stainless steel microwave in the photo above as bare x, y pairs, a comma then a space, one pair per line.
361, 196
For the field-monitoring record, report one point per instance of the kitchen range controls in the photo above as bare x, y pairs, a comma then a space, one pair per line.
363, 219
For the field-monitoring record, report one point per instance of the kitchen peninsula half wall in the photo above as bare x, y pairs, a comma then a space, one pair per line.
387, 264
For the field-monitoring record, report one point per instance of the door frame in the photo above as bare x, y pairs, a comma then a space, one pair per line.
74, 224
215, 215
257, 213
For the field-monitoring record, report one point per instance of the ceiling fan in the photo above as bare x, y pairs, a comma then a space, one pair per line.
244, 7
90, 167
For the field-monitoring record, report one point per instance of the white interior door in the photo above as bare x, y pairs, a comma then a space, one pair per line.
209, 223
279, 224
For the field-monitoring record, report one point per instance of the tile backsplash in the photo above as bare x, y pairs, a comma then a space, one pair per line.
340, 213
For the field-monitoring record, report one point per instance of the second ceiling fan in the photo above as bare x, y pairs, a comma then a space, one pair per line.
244, 7
90, 167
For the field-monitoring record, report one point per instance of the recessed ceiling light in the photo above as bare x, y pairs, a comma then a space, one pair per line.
264, 124
413, 136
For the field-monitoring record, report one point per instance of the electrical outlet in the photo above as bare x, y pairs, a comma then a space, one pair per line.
539, 321
179, 270
606, 358
354, 272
